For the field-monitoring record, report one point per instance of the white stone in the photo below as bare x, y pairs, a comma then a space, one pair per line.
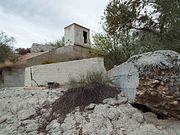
25, 114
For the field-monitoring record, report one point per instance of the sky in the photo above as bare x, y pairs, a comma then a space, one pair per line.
42, 21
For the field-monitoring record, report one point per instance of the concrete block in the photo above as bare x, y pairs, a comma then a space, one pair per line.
126, 77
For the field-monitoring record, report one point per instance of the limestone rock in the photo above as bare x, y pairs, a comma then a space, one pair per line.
115, 116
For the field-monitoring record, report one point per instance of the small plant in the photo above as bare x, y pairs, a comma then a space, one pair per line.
90, 77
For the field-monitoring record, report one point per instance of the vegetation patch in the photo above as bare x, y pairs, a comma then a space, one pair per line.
82, 96
89, 78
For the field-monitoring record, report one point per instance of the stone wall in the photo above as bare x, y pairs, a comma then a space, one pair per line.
13, 77
61, 72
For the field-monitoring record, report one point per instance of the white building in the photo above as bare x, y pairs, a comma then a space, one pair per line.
76, 34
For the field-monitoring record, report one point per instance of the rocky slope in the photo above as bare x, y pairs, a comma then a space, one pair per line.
22, 112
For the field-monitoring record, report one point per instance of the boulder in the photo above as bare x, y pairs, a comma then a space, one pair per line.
151, 79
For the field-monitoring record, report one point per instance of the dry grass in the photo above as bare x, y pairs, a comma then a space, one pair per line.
82, 96
90, 77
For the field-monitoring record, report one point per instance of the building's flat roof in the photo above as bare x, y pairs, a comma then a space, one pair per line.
77, 25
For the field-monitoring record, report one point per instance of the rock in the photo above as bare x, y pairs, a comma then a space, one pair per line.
18, 114
151, 79
53, 127
3, 118
115, 116
26, 114
32, 127
139, 117
116, 101
90, 107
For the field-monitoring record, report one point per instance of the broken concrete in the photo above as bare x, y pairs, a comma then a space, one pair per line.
151, 79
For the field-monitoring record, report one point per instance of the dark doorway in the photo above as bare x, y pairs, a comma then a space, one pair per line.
85, 37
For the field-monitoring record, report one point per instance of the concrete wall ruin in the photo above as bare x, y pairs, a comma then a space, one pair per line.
13, 77
126, 77
61, 72
66, 53
130, 75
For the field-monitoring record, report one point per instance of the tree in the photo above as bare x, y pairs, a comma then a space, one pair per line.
58, 43
6, 50
22, 51
108, 47
149, 24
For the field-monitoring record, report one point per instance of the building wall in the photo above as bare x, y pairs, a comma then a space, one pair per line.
74, 35
66, 53
79, 39
61, 72
13, 77
126, 77
69, 35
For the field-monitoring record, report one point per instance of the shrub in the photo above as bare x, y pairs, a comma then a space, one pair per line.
23, 51
82, 97
90, 77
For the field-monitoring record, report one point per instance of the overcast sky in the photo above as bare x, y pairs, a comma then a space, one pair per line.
41, 21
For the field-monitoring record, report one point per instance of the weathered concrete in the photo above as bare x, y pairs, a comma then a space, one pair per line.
13, 77
65, 53
74, 35
61, 72
127, 75
152, 80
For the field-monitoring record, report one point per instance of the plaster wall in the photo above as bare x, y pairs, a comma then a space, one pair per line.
13, 77
61, 72
69, 35
126, 77
79, 39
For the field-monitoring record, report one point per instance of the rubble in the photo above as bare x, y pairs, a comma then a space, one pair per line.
101, 109
112, 116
